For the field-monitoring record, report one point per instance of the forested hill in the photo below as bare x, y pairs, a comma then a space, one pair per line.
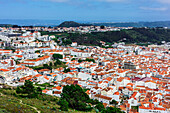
136, 24
136, 35
72, 24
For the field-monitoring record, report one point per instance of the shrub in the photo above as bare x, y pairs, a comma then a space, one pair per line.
63, 105
100, 106
54, 108
57, 56
29, 90
76, 98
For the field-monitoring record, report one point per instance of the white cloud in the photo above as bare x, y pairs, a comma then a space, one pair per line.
164, 1
154, 9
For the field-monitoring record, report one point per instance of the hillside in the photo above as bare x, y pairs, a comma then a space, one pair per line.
5, 25
136, 35
136, 24
11, 103
72, 24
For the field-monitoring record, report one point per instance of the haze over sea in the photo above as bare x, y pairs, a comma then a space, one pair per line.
33, 22
37, 22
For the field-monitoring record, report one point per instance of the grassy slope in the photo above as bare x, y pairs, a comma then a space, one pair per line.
46, 103
12, 104
4, 111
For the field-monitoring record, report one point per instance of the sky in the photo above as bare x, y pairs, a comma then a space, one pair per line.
87, 10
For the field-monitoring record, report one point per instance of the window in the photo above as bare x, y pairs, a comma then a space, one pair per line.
132, 101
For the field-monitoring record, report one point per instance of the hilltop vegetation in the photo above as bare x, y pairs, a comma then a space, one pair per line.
135, 35
154, 35
72, 24
74, 97
5, 25
136, 24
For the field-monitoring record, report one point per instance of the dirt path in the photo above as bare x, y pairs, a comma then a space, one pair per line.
1, 94
31, 107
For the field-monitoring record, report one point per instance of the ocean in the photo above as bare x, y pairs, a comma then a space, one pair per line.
35, 22
31, 22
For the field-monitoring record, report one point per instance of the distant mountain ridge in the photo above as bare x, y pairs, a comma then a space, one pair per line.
5, 25
34, 22
72, 24
135, 24
118, 24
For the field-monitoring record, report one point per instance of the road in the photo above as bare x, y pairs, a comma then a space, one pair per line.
31, 107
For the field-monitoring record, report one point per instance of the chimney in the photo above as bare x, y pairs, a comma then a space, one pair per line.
12, 62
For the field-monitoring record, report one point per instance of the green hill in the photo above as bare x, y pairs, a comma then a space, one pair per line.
135, 24
72, 24
136, 35
5, 25
11, 103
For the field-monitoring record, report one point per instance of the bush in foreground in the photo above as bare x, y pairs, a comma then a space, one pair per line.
29, 90
76, 98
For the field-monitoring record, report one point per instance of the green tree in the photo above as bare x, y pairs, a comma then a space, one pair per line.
38, 90
58, 62
80, 60
90, 60
13, 50
100, 106
37, 51
73, 59
66, 70
51, 64
56, 40
112, 110
93, 102
45, 65
57, 56
76, 97
102, 27
21, 42
67, 42
28, 89
136, 108
63, 105
114, 102
19, 90
55, 64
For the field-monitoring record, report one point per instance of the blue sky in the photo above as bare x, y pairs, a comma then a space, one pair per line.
87, 10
